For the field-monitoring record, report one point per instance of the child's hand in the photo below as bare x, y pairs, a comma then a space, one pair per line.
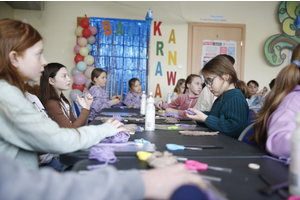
119, 97
199, 116
115, 101
265, 90
89, 100
117, 124
159, 104
172, 110
82, 102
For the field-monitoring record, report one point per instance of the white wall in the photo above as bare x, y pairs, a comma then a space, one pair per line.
58, 21
6, 11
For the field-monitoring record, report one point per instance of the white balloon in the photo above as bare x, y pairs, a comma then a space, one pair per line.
87, 83
75, 71
73, 94
91, 39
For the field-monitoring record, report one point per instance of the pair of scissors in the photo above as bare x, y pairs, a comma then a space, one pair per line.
195, 165
174, 147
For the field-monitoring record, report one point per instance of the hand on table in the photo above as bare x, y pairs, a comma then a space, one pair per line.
162, 183
172, 110
199, 116
116, 97
117, 124
115, 101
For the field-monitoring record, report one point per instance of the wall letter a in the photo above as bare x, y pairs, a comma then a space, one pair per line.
157, 91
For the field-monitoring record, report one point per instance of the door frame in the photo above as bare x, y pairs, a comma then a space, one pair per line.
219, 25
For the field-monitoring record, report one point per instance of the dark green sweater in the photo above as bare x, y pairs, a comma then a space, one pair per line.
229, 113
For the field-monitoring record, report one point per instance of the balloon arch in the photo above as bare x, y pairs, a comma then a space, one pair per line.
119, 46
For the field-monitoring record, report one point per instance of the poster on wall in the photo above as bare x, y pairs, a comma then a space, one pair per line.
212, 48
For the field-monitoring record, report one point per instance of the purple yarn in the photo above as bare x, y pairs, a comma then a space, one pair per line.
114, 144
118, 117
191, 112
169, 114
120, 137
102, 154
183, 125
286, 161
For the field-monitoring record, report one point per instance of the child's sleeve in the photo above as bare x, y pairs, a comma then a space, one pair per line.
232, 120
175, 104
174, 96
56, 114
127, 99
100, 99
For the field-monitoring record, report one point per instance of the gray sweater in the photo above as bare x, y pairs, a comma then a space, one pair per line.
24, 130
19, 184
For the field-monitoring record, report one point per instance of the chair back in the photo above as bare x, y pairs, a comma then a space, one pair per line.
76, 109
248, 131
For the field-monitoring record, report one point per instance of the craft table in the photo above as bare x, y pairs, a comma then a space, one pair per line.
242, 183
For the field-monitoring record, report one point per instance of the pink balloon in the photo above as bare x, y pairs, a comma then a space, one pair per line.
79, 79
88, 71
93, 30
76, 49
89, 66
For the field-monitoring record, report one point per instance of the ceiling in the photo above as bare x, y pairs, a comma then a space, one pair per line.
26, 5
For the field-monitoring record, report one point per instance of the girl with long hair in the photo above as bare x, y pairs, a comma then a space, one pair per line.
274, 123
53, 82
24, 130
229, 112
193, 87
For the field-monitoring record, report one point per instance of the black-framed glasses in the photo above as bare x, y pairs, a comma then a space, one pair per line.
209, 81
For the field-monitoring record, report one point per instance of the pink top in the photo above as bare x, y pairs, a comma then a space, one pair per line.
281, 124
184, 101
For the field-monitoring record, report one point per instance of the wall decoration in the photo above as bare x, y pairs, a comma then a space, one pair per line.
84, 62
289, 19
121, 48
212, 48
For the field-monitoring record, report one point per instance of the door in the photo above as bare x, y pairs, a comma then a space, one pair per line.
214, 31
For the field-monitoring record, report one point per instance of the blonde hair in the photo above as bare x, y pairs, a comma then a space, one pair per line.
178, 84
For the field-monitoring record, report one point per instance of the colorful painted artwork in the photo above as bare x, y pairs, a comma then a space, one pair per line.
289, 19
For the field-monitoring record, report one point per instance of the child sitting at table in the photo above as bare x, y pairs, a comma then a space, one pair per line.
178, 90
133, 96
100, 96
186, 100
229, 112
275, 122
53, 82
256, 99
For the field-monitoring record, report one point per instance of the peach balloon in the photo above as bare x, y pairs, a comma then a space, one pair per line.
88, 72
82, 41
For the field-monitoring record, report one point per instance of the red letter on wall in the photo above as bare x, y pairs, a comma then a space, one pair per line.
106, 28
156, 28
157, 91
171, 78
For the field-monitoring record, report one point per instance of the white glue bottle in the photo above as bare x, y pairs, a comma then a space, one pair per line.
143, 104
169, 97
294, 170
150, 114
